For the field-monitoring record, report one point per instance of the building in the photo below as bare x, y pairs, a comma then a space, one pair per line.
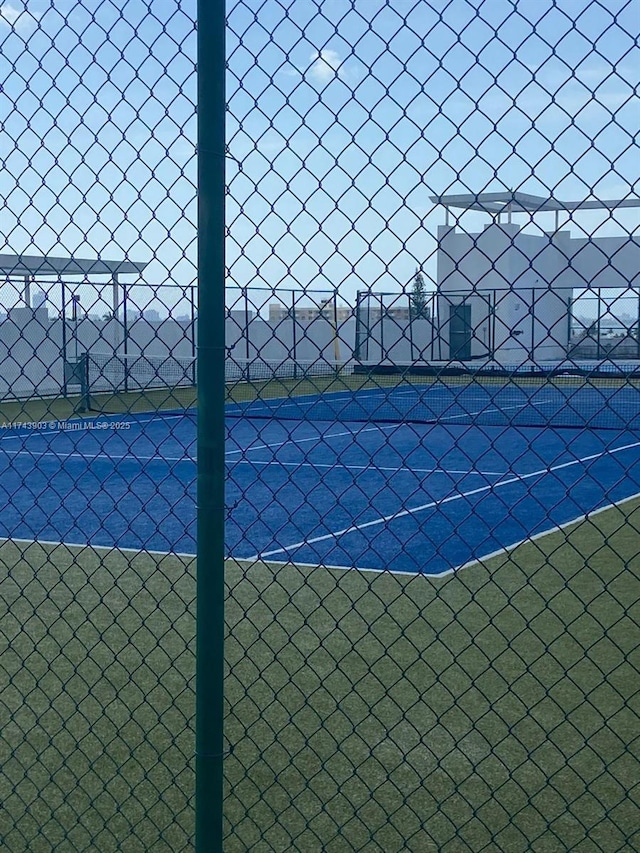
504, 293
309, 313
401, 314
39, 300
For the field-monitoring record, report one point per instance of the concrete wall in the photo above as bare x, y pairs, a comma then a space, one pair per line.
316, 341
531, 278
32, 346
528, 319
531, 324
30, 356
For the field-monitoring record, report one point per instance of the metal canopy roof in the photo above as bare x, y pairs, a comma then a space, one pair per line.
496, 203
41, 265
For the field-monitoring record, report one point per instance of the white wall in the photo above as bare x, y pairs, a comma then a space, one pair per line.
30, 357
31, 344
316, 341
32, 347
531, 323
531, 277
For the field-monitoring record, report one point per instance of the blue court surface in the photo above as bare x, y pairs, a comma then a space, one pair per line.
568, 401
402, 497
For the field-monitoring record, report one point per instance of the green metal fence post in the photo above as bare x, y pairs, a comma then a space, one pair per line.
211, 472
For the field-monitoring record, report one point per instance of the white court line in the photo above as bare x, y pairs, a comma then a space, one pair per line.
108, 548
377, 428
328, 398
456, 497
290, 440
88, 457
587, 516
320, 396
252, 560
434, 417
136, 420
319, 437
499, 411
370, 467
267, 404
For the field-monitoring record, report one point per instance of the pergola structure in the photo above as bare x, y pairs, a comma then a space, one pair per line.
33, 267
496, 204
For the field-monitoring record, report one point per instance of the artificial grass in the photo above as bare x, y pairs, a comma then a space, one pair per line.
45, 409
496, 708
96, 700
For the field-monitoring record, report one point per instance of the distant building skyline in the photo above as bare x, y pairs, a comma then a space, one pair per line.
308, 313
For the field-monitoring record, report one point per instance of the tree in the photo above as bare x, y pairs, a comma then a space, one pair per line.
418, 297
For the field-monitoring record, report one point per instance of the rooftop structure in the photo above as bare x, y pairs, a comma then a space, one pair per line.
47, 265
506, 292
509, 202
30, 268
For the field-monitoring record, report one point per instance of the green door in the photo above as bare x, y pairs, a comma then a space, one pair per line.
460, 332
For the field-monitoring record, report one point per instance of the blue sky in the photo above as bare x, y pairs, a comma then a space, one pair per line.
98, 131
346, 115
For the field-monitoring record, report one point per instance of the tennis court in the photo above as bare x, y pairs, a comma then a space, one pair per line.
406, 496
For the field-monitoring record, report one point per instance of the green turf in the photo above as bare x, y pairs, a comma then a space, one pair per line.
61, 408
493, 709
96, 707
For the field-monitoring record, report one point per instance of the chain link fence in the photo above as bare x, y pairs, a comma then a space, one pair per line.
431, 388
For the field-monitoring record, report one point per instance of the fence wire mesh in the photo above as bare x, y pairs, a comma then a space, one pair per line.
432, 406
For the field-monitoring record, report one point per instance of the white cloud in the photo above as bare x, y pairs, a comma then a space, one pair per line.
8, 14
15, 16
325, 65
